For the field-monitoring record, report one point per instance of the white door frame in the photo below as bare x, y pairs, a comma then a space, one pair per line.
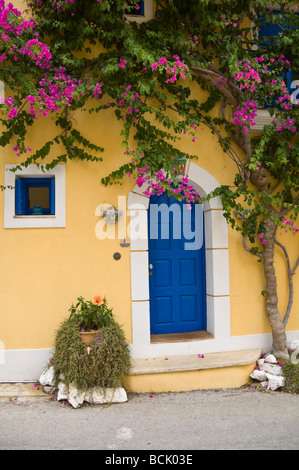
217, 274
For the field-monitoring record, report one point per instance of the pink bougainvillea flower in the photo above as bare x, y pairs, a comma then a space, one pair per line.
98, 300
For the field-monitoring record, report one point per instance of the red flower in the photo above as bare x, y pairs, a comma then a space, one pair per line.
98, 300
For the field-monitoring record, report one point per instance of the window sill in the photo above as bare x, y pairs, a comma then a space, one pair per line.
34, 216
137, 18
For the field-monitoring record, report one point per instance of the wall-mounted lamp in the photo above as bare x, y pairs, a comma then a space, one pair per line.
243, 215
109, 212
180, 161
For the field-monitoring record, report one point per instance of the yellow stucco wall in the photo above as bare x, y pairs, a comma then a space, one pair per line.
43, 271
225, 377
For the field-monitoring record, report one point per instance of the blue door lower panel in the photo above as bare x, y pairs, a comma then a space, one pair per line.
177, 270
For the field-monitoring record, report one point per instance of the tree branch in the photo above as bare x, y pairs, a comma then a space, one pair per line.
228, 148
207, 75
291, 273
289, 209
259, 255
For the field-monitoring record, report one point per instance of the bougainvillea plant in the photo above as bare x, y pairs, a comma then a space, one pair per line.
64, 56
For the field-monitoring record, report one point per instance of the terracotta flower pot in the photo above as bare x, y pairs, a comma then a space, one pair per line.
88, 337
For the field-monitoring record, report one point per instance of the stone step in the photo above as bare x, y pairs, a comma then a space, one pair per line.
159, 365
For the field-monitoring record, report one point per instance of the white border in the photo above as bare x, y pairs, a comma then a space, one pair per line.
14, 221
217, 276
27, 365
24, 365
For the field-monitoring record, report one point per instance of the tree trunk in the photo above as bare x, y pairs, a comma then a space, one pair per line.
278, 330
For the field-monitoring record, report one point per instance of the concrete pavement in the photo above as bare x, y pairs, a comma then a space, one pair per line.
230, 419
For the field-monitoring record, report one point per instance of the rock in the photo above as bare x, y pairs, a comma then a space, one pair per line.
71, 394
49, 389
99, 396
63, 392
260, 362
271, 368
264, 384
75, 398
47, 377
275, 381
271, 358
259, 375
269, 373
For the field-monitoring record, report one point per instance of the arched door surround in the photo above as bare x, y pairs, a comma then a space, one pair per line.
217, 274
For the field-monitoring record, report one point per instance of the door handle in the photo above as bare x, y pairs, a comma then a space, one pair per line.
150, 266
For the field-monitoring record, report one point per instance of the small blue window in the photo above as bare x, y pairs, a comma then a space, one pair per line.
268, 31
35, 196
139, 9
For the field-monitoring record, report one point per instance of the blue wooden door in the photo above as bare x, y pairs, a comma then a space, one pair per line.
176, 267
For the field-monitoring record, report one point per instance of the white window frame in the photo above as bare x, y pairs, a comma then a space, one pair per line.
264, 117
11, 220
148, 13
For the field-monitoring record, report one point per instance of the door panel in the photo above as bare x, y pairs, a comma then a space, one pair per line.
177, 275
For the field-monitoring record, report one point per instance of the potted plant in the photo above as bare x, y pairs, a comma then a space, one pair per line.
85, 368
90, 316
